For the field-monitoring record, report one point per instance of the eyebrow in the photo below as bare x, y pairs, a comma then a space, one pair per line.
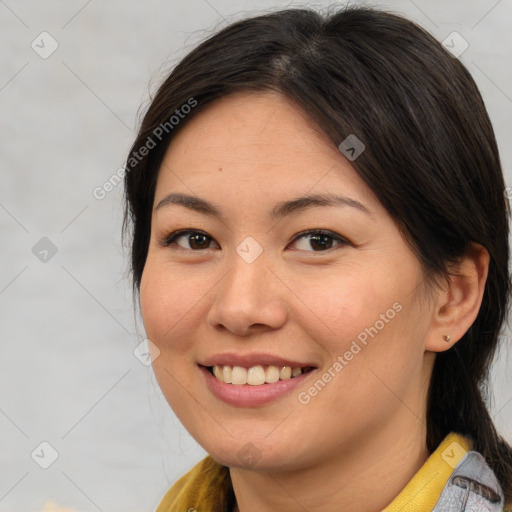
279, 211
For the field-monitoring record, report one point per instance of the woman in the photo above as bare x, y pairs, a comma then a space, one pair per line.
320, 248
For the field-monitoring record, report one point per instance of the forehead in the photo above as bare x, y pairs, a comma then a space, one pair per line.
256, 144
262, 125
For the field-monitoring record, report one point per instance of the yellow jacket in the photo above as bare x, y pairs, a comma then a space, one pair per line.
442, 484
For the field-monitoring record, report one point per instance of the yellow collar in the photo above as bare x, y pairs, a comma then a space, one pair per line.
208, 485
425, 487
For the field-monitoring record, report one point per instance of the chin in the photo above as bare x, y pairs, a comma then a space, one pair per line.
252, 452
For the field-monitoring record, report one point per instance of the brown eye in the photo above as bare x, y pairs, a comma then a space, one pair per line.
191, 240
318, 241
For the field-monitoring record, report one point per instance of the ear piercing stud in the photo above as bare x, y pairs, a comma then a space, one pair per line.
446, 338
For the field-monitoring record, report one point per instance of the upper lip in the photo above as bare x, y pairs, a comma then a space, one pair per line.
248, 360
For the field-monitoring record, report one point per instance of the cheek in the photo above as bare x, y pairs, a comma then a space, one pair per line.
168, 305
349, 303
370, 319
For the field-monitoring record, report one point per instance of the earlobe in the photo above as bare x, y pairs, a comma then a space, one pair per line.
457, 305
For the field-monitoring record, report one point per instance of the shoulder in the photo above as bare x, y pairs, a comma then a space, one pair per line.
472, 486
207, 486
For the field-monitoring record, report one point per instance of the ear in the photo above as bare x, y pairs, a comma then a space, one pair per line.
457, 304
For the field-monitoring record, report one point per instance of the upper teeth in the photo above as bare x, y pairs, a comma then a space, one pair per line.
255, 375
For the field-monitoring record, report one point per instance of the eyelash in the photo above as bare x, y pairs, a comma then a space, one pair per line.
171, 238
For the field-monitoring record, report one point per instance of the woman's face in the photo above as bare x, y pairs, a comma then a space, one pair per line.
251, 292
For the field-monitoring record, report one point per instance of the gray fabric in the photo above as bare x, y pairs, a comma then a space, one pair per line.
472, 487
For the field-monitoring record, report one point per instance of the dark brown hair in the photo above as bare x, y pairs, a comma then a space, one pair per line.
431, 159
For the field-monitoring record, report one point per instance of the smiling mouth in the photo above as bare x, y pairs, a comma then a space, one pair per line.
256, 375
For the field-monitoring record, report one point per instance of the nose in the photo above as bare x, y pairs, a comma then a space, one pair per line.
248, 299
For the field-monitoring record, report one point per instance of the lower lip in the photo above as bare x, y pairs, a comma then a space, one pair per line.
245, 395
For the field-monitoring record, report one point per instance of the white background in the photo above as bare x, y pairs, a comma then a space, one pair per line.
68, 327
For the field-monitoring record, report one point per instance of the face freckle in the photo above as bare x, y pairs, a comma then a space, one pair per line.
350, 313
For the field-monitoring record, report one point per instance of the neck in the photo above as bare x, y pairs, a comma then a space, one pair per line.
365, 478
